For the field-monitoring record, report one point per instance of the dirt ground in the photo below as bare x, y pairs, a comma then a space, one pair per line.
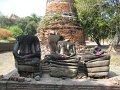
6, 63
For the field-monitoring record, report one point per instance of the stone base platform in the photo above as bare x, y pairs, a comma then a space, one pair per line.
51, 83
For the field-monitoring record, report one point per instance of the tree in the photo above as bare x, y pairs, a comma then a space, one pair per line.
31, 27
6, 22
35, 18
16, 31
29, 24
113, 12
91, 18
2, 21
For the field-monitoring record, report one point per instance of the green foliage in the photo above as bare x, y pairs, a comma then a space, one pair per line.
44, 22
11, 39
89, 14
21, 23
56, 15
6, 22
2, 21
29, 24
112, 11
99, 18
31, 27
16, 31
35, 18
4, 40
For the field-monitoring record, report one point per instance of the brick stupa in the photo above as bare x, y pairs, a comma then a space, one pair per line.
61, 17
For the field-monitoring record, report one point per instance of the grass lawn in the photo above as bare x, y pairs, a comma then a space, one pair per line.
7, 40
115, 61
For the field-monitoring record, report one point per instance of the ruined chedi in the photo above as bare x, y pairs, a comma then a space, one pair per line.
61, 17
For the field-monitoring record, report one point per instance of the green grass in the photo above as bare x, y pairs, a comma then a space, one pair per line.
115, 61
11, 39
4, 41
7, 40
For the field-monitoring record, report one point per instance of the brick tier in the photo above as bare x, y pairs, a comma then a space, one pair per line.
66, 27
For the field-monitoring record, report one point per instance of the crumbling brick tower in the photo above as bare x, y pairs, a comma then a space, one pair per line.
60, 17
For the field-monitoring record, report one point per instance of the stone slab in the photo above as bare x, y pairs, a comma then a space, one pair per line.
51, 83
3, 85
10, 85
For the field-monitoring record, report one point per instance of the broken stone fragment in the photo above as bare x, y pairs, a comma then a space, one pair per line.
28, 79
17, 78
37, 78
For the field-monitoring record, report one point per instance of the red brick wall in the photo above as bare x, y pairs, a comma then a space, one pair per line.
76, 36
57, 7
68, 28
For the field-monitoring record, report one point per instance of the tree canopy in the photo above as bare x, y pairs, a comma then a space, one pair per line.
99, 18
23, 25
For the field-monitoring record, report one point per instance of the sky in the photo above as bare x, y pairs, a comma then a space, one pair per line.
23, 8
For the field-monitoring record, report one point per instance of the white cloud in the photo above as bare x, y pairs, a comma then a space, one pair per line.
23, 7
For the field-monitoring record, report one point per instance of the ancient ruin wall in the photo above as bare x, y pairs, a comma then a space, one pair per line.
68, 28
60, 17
60, 6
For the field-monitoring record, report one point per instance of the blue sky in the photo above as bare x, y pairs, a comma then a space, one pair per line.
23, 8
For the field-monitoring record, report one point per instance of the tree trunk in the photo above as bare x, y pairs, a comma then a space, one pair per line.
115, 42
111, 48
116, 38
97, 41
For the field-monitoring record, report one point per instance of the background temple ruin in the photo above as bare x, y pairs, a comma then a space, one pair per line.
61, 17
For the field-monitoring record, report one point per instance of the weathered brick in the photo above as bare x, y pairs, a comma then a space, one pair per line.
6, 47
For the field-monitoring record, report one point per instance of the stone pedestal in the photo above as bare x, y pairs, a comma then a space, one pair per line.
50, 83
